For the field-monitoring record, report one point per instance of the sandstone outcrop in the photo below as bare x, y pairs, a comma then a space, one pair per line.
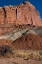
24, 13
14, 17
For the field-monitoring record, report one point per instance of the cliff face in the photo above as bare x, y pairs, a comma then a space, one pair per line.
12, 21
12, 16
24, 13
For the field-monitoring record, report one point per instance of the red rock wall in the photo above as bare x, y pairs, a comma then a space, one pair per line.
22, 14
1, 16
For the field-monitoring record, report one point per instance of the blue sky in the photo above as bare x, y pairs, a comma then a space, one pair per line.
36, 3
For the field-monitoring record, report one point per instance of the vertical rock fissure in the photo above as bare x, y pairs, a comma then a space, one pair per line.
31, 21
16, 13
4, 12
4, 15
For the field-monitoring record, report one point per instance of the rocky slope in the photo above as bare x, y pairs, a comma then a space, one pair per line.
28, 41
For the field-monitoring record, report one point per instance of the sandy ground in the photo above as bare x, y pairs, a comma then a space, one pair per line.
18, 61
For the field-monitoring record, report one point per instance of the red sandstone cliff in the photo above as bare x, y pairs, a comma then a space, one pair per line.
17, 17
13, 16
24, 13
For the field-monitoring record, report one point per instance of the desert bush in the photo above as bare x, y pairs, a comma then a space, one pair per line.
5, 49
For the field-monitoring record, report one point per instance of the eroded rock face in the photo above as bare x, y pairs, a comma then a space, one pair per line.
22, 14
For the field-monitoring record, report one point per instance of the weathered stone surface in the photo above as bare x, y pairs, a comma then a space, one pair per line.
23, 14
1, 16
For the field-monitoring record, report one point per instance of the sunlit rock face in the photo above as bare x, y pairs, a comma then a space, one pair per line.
22, 14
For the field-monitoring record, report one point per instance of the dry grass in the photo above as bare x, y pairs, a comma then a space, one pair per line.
27, 54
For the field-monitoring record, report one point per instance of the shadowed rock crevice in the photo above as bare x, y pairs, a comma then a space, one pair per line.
31, 21
4, 12
16, 13
4, 15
